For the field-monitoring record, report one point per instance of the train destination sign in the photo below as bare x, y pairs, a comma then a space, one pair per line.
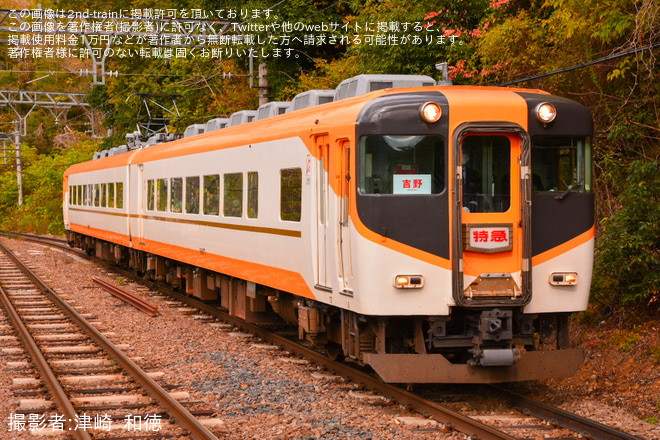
412, 184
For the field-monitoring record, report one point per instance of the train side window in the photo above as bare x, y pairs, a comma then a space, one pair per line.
232, 202
291, 194
402, 165
176, 194
150, 195
561, 164
104, 193
111, 195
97, 194
80, 192
192, 195
120, 195
85, 201
253, 195
212, 194
161, 195
72, 196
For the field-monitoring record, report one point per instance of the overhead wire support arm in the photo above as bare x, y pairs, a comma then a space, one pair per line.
55, 102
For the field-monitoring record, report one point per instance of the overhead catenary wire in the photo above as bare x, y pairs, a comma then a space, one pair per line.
583, 65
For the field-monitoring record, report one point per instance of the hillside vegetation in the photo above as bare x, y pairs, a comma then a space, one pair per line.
494, 42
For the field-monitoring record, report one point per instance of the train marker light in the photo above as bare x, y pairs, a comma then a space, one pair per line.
431, 112
546, 112
409, 281
563, 278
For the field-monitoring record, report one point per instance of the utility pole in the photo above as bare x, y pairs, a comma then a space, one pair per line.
19, 166
264, 95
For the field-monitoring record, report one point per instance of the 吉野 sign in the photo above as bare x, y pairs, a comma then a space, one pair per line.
412, 184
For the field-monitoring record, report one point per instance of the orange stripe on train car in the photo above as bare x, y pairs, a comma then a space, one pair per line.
280, 279
564, 247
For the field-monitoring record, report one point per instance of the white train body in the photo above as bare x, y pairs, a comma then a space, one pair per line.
286, 215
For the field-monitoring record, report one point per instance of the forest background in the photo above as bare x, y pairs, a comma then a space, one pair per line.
494, 43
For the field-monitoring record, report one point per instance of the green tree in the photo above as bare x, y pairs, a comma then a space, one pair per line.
627, 268
41, 211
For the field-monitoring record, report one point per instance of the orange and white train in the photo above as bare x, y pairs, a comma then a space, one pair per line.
435, 233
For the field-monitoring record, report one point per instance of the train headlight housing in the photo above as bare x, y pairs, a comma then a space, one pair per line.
563, 279
409, 281
546, 112
431, 112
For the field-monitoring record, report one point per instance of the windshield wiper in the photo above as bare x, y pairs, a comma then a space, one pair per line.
570, 188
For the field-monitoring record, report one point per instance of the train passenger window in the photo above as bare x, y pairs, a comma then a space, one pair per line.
161, 195
561, 164
176, 194
104, 194
212, 194
253, 195
97, 194
72, 197
232, 204
85, 200
80, 193
120, 195
150, 195
192, 195
111, 195
401, 165
291, 194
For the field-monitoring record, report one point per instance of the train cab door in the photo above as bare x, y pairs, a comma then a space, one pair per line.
323, 260
344, 224
491, 218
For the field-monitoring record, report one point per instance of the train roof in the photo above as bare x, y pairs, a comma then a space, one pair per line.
310, 120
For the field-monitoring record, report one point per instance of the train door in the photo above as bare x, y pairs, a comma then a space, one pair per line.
141, 202
491, 215
345, 272
323, 260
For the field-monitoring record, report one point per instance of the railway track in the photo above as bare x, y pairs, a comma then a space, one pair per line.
73, 379
534, 420
550, 422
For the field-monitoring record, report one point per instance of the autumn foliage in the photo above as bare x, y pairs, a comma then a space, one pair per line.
485, 42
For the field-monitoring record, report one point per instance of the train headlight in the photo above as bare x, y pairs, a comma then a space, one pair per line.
431, 112
409, 281
563, 278
546, 112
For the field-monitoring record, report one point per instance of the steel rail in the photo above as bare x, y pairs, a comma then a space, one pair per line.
446, 416
449, 418
127, 297
47, 374
588, 428
35, 238
174, 408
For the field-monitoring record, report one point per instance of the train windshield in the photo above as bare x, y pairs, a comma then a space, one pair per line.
486, 173
404, 165
561, 164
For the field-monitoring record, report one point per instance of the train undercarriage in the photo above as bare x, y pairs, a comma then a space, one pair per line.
469, 346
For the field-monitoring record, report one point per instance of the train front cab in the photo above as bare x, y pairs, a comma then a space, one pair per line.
515, 195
